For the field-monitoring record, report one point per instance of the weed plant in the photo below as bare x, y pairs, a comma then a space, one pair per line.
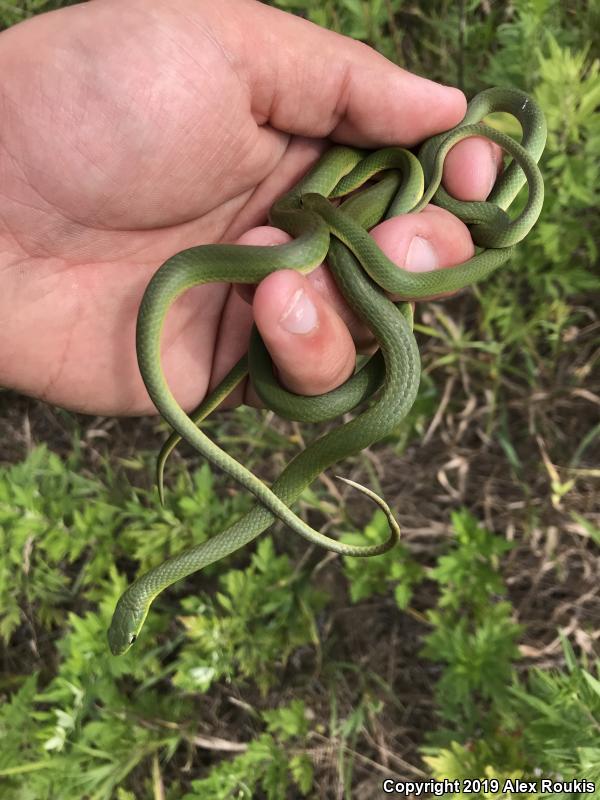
468, 652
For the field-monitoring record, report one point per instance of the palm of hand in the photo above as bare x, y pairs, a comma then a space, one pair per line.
122, 146
110, 166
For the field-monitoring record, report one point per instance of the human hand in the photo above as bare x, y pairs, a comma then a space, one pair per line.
124, 144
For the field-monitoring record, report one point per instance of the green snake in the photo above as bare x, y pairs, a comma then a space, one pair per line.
390, 380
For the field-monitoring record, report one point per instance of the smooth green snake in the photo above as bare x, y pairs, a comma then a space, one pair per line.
390, 380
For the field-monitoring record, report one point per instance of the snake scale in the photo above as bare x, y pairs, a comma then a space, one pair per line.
390, 380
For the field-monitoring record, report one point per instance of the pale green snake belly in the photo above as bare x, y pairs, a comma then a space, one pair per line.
363, 273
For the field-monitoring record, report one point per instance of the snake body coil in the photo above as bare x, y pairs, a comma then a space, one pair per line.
363, 274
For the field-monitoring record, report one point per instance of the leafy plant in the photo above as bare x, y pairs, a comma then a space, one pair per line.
200, 707
394, 569
260, 616
266, 764
12, 11
548, 725
474, 635
556, 713
50, 517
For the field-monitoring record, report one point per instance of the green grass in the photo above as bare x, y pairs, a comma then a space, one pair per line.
470, 651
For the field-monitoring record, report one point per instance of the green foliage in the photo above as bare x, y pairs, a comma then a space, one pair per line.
93, 726
192, 514
84, 733
547, 725
266, 764
394, 569
477, 662
473, 634
526, 308
61, 530
496, 723
51, 517
82, 740
557, 715
468, 575
77, 723
81, 751
569, 92
516, 61
260, 616
349, 729
355, 18
13, 11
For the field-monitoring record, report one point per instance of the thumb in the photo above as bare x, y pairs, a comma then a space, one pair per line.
310, 81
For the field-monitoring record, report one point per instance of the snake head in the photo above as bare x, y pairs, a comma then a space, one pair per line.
125, 626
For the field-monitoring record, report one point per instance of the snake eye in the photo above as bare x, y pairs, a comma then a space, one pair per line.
132, 638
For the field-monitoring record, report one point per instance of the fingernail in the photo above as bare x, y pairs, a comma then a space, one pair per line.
300, 315
421, 257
